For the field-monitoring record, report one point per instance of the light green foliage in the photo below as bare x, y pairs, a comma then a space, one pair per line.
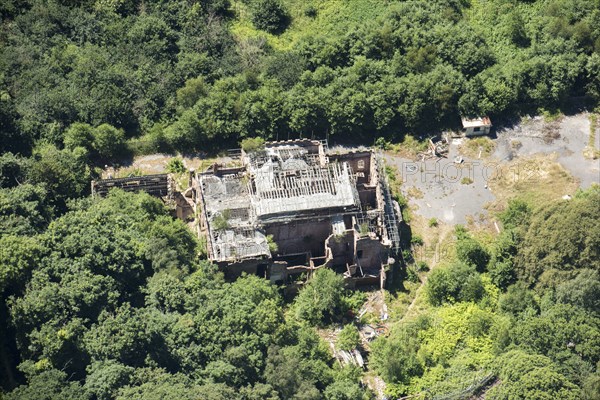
19, 255
79, 135
348, 338
175, 166
562, 236
109, 141
194, 89
251, 145
273, 248
321, 300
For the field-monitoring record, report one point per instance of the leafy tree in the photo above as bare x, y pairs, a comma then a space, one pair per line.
194, 89
321, 300
49, 385
19, 255
582, 291
459, 282
269, 15
109, 141
517, 300
471, 252
79, 135
531, 377
562, 236
64, 174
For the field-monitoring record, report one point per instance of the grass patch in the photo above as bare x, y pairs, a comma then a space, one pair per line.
478, 147
590, 150
536, 180
327, 18
409, 147
466, 180
415, 193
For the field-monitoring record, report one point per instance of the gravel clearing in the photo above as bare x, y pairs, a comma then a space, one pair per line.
456, 193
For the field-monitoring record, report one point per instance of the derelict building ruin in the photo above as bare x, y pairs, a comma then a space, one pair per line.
293, 207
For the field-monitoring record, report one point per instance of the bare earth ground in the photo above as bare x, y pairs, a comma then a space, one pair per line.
157, 163
532, 155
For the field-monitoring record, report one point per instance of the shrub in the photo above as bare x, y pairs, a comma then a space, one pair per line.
269, 15
433, 222
416, 240
422, 266
310, 11
458, 282
322, 299
471, 252
252, 145
348, 339
175, 166
273, 248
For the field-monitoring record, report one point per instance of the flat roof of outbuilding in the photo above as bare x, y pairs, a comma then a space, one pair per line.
474, 122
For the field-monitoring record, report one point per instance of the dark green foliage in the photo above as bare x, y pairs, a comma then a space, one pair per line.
269, 15
531, 377
459, 282
582, 291
501, 266
63, 173
49, 385
516, 214
24, 210
517, 300
396, 358
472, 253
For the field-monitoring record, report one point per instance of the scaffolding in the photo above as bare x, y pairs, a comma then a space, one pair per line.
389, 212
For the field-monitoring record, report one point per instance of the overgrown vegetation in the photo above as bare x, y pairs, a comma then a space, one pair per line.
201, 79
521, 313
107, 298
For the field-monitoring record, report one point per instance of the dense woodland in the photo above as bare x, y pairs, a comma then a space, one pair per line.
111, 298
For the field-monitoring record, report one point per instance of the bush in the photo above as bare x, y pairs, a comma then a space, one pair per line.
516, 214
109, 141
471, 252
175, 166
458, 282
269, 15
252, 145
310, 11
422, 266
416, 240
433, 222
348, 339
